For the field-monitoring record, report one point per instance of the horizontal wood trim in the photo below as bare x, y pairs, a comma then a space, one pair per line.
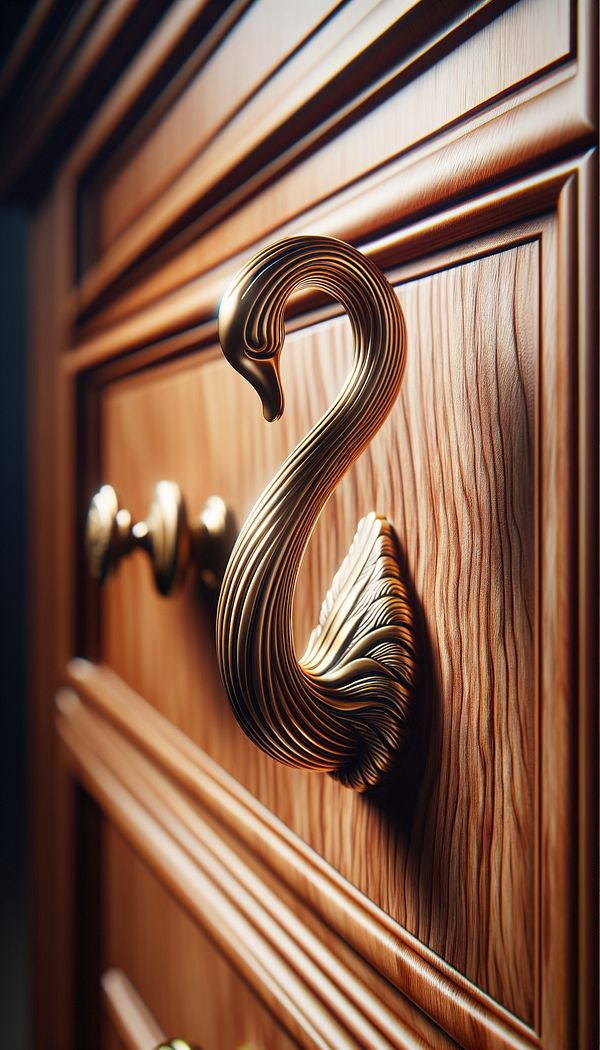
256, 46
187, 317
340, 143
176, 25
317, 999
417, 185
306, 84
420, 975
129, 1015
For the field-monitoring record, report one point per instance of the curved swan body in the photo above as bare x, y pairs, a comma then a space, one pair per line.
342, 708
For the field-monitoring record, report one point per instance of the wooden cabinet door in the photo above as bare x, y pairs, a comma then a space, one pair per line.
250, 903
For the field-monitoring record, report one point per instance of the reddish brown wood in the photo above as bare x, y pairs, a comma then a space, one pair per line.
454, 152
427, 105
383, 943
257, 44
250, 923
129, 1015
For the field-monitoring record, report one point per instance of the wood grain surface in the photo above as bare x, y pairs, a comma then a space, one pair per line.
156, 325
456, 143
457, 839
424, 104
381, 954
259, 42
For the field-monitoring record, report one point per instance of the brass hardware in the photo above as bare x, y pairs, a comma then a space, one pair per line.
165, 534
343, 707
175, 1044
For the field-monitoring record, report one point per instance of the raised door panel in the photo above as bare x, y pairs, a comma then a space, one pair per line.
451, 852
449, 143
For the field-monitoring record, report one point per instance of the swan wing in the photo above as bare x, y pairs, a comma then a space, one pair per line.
366, 620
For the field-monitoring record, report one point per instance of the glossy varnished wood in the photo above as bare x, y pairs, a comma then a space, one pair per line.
285, 964
389, 199
472, 573
449, 141
316, 892
555, 882
259, 42
195, 995
426, 106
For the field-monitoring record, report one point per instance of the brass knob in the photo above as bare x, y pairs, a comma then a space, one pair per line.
175, 1044
171, 541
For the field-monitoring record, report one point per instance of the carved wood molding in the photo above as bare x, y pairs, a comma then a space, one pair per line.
387, 200
129, 1015
309, 989
351, 61
164, 751
554, 99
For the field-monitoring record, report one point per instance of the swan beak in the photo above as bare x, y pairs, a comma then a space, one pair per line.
261, 371
264, 377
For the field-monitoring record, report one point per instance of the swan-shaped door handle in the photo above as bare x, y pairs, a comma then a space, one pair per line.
343, 707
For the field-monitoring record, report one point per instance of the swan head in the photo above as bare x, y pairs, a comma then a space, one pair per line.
252, 339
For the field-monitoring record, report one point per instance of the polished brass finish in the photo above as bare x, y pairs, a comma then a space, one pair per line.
343, 707
175, 1044
165, 534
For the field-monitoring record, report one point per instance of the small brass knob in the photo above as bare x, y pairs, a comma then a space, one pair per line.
170, 540
175, 1044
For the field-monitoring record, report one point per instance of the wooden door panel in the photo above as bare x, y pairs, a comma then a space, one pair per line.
456, 885
456, 145
451, 853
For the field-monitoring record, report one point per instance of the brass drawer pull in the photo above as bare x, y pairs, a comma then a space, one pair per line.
166, 535
343, 707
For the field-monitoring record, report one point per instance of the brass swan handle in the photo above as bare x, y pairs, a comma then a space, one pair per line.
171, 541
343, 707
